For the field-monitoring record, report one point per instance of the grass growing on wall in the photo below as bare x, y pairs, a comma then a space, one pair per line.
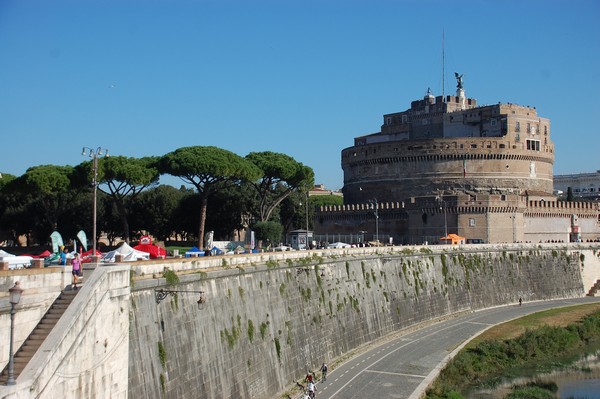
348, 269
250, 330
263, 330
162, 354
163, 383
278, 348
306, 293
318, 276
171, 277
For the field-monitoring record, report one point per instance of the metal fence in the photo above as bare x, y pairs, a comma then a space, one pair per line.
351, 238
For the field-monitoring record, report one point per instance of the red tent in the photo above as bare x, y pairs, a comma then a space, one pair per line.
86, 257
40, 256
153, 250
44, 254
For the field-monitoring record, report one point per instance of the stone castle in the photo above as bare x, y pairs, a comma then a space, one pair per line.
448, 165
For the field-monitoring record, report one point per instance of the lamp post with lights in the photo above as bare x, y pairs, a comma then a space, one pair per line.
14, 299
94, 154
376, 213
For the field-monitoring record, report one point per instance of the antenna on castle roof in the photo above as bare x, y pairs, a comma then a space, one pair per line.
443, 69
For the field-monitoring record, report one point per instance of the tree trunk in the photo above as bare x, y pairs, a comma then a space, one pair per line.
203, 206
124, 222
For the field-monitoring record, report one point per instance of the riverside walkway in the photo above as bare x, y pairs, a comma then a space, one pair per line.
403, 365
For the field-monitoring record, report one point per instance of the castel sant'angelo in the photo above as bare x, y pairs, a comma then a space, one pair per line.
448, 166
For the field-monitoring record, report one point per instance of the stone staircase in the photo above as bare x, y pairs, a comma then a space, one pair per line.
594, 290
39, 333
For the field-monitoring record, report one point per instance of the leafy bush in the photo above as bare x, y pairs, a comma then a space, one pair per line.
268, 231
490, 359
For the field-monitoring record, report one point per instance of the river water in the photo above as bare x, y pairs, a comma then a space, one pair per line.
581, 380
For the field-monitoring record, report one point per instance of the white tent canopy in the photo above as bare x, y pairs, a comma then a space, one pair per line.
15, 262
129, 254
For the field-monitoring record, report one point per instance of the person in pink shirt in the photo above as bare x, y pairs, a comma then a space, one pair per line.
76, 263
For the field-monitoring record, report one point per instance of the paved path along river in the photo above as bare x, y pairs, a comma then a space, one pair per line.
403, 366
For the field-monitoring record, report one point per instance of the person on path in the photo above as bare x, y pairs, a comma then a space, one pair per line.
309, 377
324, 372
312, 388
76, 263
63, 256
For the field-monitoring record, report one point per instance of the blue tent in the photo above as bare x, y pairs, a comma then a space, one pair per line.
216, 251
194, 252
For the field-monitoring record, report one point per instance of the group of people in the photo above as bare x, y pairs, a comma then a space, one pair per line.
75, 263
311, 387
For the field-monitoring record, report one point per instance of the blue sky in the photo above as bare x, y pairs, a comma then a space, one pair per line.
298, 77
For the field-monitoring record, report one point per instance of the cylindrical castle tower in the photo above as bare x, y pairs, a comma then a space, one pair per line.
451, 145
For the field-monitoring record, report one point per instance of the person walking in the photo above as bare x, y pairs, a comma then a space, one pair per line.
63, 256
76, 263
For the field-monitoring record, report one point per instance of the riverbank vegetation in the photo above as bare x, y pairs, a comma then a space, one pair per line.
544, 338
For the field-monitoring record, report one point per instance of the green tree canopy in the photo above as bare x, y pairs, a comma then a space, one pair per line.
209, 169
154, 210
41, 199
326, 200
122, 179
231, 210
281, 175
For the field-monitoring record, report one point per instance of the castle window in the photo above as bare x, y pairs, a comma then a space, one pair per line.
404, 118
529, 128
493, 122
388, 121
517, 126
533, 145
473, 145
503, 197
471, 222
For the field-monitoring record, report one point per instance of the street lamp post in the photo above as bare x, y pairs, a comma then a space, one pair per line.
94, 154
445, 217
376, 213
14, 298
513, 216
307, 246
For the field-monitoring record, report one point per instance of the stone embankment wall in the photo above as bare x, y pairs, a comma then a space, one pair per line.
41, 287
85, 355
269, 318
